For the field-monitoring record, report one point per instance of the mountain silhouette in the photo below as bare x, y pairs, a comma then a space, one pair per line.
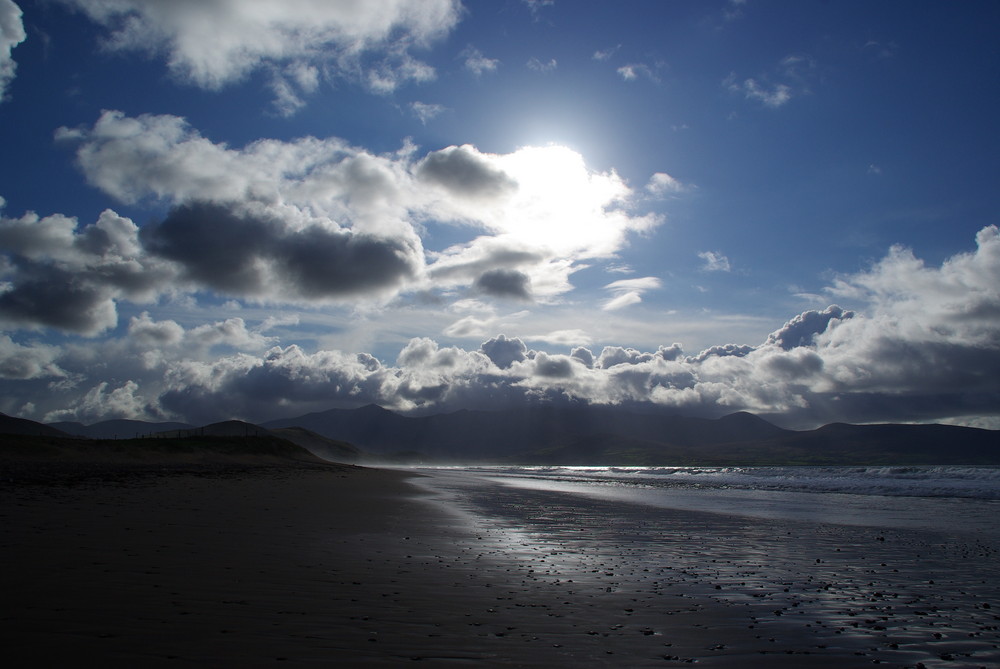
576, 435
609, 435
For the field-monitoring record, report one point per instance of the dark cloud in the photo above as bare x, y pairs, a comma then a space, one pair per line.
283, 377
793, 367
258, 255
504, 352
553, 366
463, 171
507, 283
214, 246
49, 296
801, 330
584, 355
27, 362
618, 355
926, 350
487, 255
322, 264
61, 275
722, 351
672, 352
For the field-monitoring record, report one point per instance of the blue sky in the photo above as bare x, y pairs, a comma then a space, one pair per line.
252, 210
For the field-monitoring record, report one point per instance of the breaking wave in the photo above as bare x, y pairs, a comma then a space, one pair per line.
901, 481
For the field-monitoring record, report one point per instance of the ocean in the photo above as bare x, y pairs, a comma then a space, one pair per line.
965, 500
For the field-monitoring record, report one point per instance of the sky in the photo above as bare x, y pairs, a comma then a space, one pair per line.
215, 210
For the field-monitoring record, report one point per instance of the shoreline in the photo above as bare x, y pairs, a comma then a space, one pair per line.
256, 565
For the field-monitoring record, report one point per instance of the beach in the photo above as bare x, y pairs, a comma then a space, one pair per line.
315, 564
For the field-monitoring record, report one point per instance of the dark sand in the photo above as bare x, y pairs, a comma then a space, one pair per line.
231, 565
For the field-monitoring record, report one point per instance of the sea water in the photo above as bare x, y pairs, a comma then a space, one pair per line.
953, 499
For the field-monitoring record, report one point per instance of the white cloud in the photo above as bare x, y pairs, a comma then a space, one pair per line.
11, 34
662, 184
536, 6
925, 347
629, 291
425, 112
633, 71
606, 54
291, 85
477, 63
773, 96
314, 221
539, 66
31, 361
714, 262
544, 209
213, 43
62, 276
543, 196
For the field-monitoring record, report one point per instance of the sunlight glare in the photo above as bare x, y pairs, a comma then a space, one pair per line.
563, 206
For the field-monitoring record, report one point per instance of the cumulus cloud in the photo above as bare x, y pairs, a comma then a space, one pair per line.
722, 351
544, 197
60, 275
926, 346
507, 283
308, 221
105, 402
801, 330
11, 34
819, 366
504, 352
544, 209
465, 172
929, 327
30, 361
214, 43
464, 264
230, 334
257, 255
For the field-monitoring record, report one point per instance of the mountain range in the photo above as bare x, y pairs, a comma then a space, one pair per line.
576, 436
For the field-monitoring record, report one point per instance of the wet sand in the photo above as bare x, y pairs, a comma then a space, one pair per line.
310, 564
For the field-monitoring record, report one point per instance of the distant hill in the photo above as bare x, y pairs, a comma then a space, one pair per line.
607, 435
40, 459
227, 428
534, 433
320, 446
578, 435
117, 429
12, 425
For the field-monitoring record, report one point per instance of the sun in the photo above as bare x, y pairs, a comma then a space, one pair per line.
561, 204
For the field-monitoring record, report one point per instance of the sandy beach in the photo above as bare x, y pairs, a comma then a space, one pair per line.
310, 564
